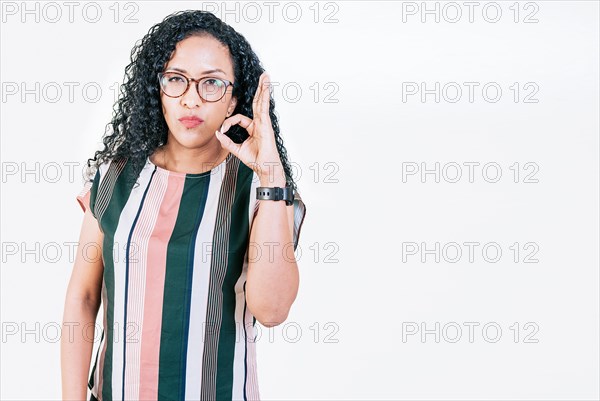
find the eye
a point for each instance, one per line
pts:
(214, 82)
(175, 78)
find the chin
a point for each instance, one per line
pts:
(191, 138)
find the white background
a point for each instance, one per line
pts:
(360, 290)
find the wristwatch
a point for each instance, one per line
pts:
(276, 193)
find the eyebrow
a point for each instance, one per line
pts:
(205, 72)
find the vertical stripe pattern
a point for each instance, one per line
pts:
(175, 321)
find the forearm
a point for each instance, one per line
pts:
(76, 347)
(272, 281)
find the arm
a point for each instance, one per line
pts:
(272, 281)
(82, 302)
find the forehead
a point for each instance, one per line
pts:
(198, 54)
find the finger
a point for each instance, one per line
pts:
(240, 119)
(227, 143)
(261, 116)
(257, 96)
(265, 99)
(257, 91)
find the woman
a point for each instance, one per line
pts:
(175, 242)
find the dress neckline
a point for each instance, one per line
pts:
(214, 170)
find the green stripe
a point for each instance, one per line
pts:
(177, 289)
(238, 242)
(109, 222)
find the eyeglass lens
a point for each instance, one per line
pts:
(175, 85)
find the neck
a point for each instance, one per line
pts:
(174, 157)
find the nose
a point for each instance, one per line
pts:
(191, 98)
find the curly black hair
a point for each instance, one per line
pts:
(138, 126)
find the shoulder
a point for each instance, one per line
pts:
(107, 174)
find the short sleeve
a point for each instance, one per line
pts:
(87, 196)
(299, 213)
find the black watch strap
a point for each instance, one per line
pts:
(276, 193)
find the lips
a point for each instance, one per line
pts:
(191, 121)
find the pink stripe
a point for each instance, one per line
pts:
(155, 281)
(137, 281)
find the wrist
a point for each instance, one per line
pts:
(266, 182)
(274, 176)
(276, 194)
(270, 171)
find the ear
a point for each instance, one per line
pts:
(232, 104)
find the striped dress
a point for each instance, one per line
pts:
(176, 324)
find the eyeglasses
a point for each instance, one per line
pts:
(210, 89)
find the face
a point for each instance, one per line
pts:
(198, 57)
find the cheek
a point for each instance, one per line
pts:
(224, 104)
(167, 106)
